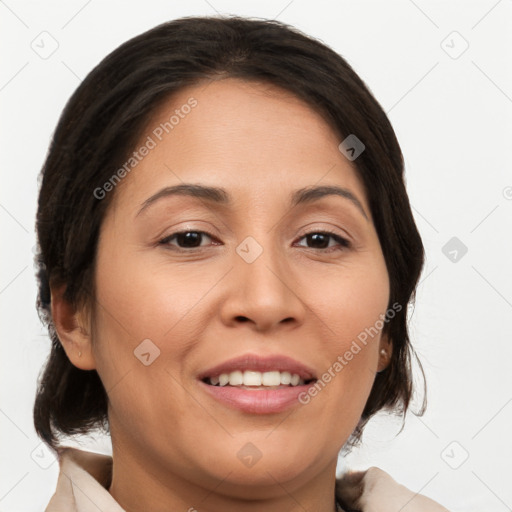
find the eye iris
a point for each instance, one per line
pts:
(319, 237)
(189, 238)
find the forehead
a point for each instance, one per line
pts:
(255, 139)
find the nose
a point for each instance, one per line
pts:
(262, 293)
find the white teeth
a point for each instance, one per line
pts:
(250, 379)
(253, 378)
(286, 378)
(270, 379)
(236, 378)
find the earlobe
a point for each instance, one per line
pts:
(73, 334)
(385, 352)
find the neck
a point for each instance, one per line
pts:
(140, 483)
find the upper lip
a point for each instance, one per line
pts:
(259, 363)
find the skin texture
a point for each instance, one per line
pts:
(174, 446)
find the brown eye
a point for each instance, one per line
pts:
(185, 239)
(321, 240)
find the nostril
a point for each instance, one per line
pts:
(242, 318)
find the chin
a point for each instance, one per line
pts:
(263, 480)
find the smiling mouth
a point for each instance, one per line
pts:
(255, 392)
(221, 382)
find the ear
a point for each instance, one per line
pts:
(385, 352)
(72, 330)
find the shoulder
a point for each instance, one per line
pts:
(375, 490)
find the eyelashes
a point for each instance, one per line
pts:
(180, 236)
(343, 243)
(190, 243)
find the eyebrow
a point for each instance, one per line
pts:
(221, 196)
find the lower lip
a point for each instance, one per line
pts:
(260, 401)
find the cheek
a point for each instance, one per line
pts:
(147, 301)
(142, 335)
(137, 303)
(348, 299)
(350, 304)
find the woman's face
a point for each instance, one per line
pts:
(246, 280)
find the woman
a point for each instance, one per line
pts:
(227, 252)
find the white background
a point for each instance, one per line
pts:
(452, 117)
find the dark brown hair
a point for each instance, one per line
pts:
(103, 121)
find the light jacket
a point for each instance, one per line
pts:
(85, 477)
